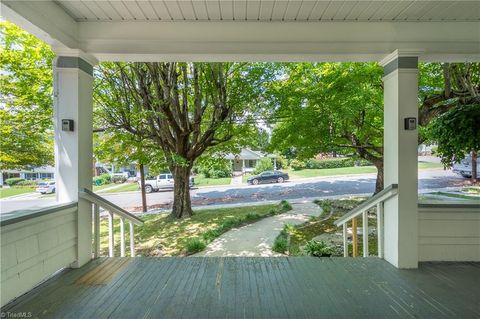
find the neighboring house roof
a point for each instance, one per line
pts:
(248, 154)
(43, 169)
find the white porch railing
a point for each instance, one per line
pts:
(100, 202)
(362, 209)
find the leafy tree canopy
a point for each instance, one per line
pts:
(324, 107)
(26, 105)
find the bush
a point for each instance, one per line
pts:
(215, 168)
(13, 181)
(297, 165)
(194, 245)
(264, 164)
(281, 162)
(285, 205)
(102, 179)
(119, 179)
(31, 184)
(318, 249)
(336, 163)
(281, 244)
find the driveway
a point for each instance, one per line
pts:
(430, 179)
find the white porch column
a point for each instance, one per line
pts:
(73, 84)
(400, 158)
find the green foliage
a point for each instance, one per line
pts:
(119, 179)
(335, 163)
(194, 245)
(102, 179)
(328, 107)
(264, 164)
(281, 162)
(30, 184)
(14, 181)
(456, 132)
(214, 167)
(280, 245)
(26, 107)
(297, 165)
(285, 205)
(318, 249)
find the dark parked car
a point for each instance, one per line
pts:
(268, 177)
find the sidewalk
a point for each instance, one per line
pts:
(256, 240)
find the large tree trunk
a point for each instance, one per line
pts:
(182, 205)
(474, 166)
(142, 186)
(379, 182)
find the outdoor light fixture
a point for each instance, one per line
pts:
(67, 125)
(410, 123)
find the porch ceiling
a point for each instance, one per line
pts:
(271, 10)
(253, 30)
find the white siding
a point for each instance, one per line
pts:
(33, 249)
(449, 233)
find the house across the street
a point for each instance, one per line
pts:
(36, 173)
(247, 159)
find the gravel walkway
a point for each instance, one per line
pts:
(257, 239)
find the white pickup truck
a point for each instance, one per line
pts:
(162, 181)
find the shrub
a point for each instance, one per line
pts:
(281, 162)
(297, 165)
(102, 179)
(285, 206)
(335, 163)
(31, 184)
(215, 168)
(318, 249)
(194, 245)
(13, 181)
(280, 245)
(119, 179)
(264, 164)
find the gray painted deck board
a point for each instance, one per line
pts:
(250, 287)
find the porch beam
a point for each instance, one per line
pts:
(400, 158)
(44, 19)
(276, 41)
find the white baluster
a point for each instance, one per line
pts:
(122, 237)
(110, 234)
(132, 241)
(365, 234)
(96, 226)
(380, 229)
(345, 241)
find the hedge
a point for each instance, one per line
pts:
(329, 163)
(13, 181)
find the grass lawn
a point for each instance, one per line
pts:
(299, 235)
(126, 187)
(426, 165)
(347, 170)
(162, 235)
(304, 173)
(98, 188)
(201, 180)
(7, 192)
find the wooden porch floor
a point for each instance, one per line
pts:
(242, 287)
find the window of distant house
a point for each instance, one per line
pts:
(251, 163)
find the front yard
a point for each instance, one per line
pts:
(293, 239)
(162, 235)
(13, 191)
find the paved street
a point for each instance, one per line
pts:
(431, 179)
